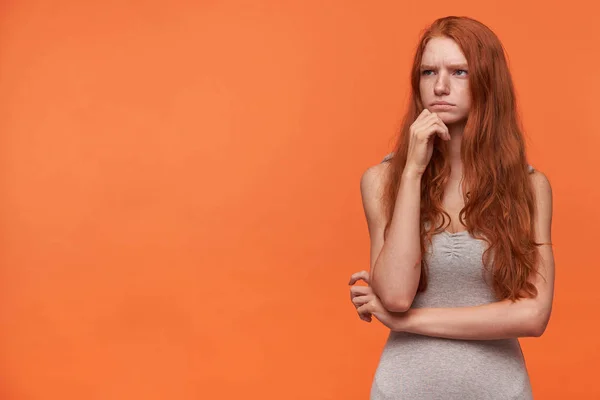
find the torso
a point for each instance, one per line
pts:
(453, 203)
(422, 367)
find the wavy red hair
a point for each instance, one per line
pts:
(499, 198)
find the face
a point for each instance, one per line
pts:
(444, 83)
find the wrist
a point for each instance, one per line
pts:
(412, 173)
(404, 322)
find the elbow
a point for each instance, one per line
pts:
(396, 303)
(539, 322)
(537, 330)
(395, 298)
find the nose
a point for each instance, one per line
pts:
(442, 86)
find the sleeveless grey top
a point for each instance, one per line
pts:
(415, 367)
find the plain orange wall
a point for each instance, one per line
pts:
(180, 190)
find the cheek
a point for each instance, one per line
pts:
(465, 97)
(466, 93)
(427, 92)
(422, 90)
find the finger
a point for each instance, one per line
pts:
(423, 114)
(434, 127)
(361, 275)
(430, 118)
(443, 131)
(365, 309)
(443, 125)
(422, 120)
(365, 316)
(360, 300)
(427, 120)
(360, 291)
(364, 312)
(425, 133)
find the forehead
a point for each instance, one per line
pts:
(442, 50)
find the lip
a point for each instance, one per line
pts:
(441, 103)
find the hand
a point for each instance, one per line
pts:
(421, 137)
(371, 305)
(359, 291)
(367, 304)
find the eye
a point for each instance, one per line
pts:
(458, 72)
(426, 72)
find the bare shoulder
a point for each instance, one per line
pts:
(373, 180)
(372, 189)
(543, 206)
(541, 188)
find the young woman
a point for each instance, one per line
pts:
(459, 223)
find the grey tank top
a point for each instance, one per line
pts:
(417, 367)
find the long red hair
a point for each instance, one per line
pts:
(499, 198)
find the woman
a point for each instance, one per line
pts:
(461, 263)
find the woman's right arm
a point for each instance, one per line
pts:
(396, 262)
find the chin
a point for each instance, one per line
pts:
(448, 118)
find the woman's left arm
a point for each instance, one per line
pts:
(503, 319)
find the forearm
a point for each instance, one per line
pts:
(499, 320)
(395, 275)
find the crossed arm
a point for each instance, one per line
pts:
(498, 320)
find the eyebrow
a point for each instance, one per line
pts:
(451, 66)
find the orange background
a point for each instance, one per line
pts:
(180, 190)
